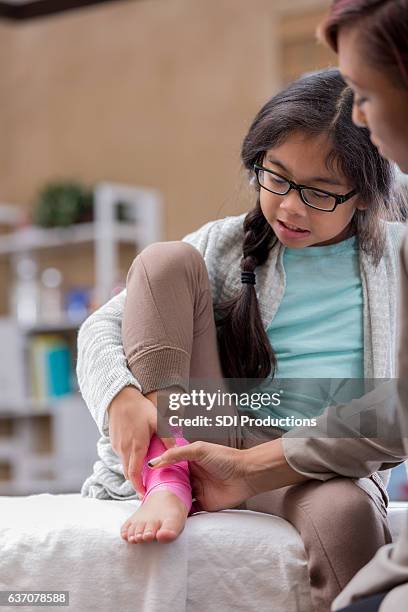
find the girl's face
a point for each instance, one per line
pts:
(379, 104)
(302, 158)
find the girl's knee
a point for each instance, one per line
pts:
(172, 248)
(166, 258)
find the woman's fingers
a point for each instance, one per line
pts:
(168, 442)
(189, 452)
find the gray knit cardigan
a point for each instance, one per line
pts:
(102, 370)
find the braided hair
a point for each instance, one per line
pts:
(247, 362)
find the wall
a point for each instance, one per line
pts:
(148, 92)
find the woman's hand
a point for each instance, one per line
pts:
(217, 473)
(132, 423)
(224, 477)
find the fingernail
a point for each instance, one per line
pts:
(154, 461)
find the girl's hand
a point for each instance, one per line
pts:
(132, 423)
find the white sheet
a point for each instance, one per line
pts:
(225, 561)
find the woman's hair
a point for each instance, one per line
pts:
(316, 104)
(383, 29)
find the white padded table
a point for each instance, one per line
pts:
(231, 560)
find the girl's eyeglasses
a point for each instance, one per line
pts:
(311, 196)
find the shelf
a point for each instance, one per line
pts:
(63, 325)
(34, 487)
(34, 407)
(51, 445)
(35, 238)
(9, 449)
(31, 408)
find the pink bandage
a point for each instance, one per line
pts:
(174, 478)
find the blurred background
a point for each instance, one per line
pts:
(121, 123)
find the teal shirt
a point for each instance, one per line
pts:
(317, 331)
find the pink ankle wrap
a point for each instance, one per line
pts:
(174, 478)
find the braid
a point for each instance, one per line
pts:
(245, 351)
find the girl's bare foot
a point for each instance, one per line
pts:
(161, 517)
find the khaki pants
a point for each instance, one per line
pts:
(169, 337)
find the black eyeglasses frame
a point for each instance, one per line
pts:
(339, 199)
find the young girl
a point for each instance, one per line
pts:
(325, 266)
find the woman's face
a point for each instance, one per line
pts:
(303, 159)
(378, 104)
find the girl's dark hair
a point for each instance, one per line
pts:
(316, 104)
(383, 28)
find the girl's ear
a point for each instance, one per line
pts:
(360, 205)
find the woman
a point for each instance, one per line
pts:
(371, 39)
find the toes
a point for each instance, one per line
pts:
(150, 530)
(135, 531)
(140, 531)
(169, 530)
(124, 530)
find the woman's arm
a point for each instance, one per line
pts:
(353, 440)
(223, 476)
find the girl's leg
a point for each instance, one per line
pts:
(342, 527)
(169, 338)
(168, 324)
(166, 503)
(168, 329)
(174, 478)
